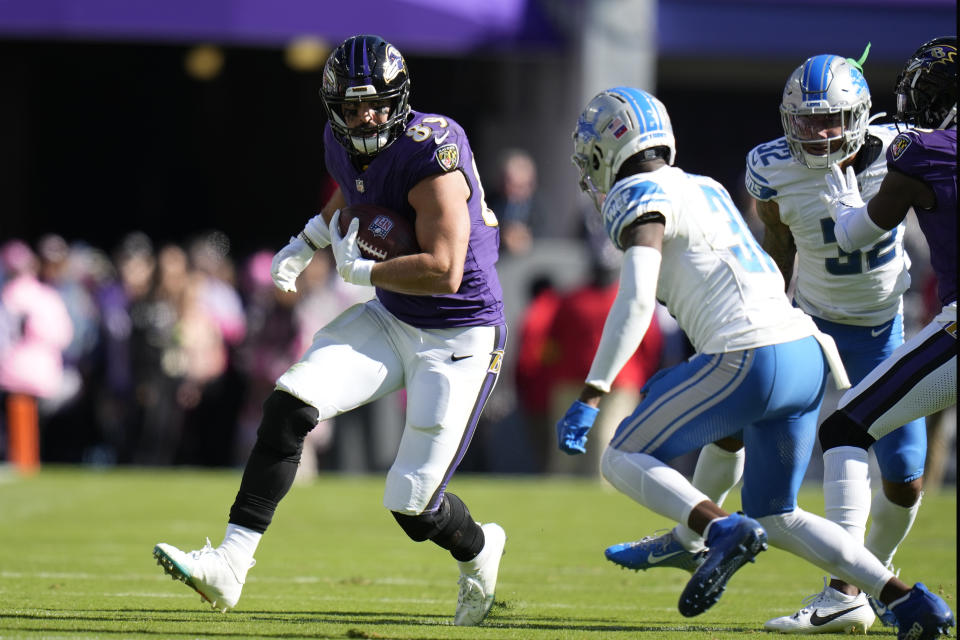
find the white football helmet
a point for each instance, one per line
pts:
(824, 92)
(616, 124)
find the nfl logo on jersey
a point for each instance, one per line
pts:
(380, 226)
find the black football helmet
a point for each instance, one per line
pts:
(366, 68)
(927, 86)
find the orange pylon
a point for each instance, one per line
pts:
(23, 432)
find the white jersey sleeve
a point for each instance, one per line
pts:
(863, 287)
(723, 289)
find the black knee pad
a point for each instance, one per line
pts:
(419, 527)
(285, 423)
(840, 430)
(272, 465)
(450, 527)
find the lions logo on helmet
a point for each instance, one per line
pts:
(825, 92)
(615, 125)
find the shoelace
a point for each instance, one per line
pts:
(664, 543)
(208, 548)
(811, 602)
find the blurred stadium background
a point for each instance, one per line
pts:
(175, 117)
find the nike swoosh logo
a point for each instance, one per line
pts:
(439, 139)
(877, 332)
(817, 621)
(457, 358)
(653, 559)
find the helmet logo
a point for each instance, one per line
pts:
(617, 127)
(448, 156)
(858, 80)
(329, 80)
(393, 65)
(943, 55)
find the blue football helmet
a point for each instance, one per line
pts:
(368, 69)
(826, 91)
(927, 86)
(616, 124)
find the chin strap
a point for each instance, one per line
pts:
(950, 120)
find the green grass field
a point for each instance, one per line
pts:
(75, 562)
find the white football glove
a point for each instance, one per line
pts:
(351, 267)
(289, 262)
(842, 192)
(853, 227)
(316, 233)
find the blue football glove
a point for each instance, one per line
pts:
(573, 428)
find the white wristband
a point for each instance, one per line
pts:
(361, 272)
(854, 229)
(316, 233)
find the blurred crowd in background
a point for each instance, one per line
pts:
(146, 354)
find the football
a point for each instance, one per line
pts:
(383, 233)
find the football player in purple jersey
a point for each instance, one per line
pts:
(920, 377)
(436, 329)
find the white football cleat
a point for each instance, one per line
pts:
(478, 578)
(207, 571)
(829, 611)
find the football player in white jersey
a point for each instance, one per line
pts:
(759, 373)
(854, 297)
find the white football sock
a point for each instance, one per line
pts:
(891, 524)
(239, 544)
(846, 489)
(652, 483)
(717, 472)
(822, 543)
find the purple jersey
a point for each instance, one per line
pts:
(931, 156)
(432, 144)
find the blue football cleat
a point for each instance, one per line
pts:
(884, 614)
(882, 611)
(654, 551)
(731, 543)
(922, 615)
